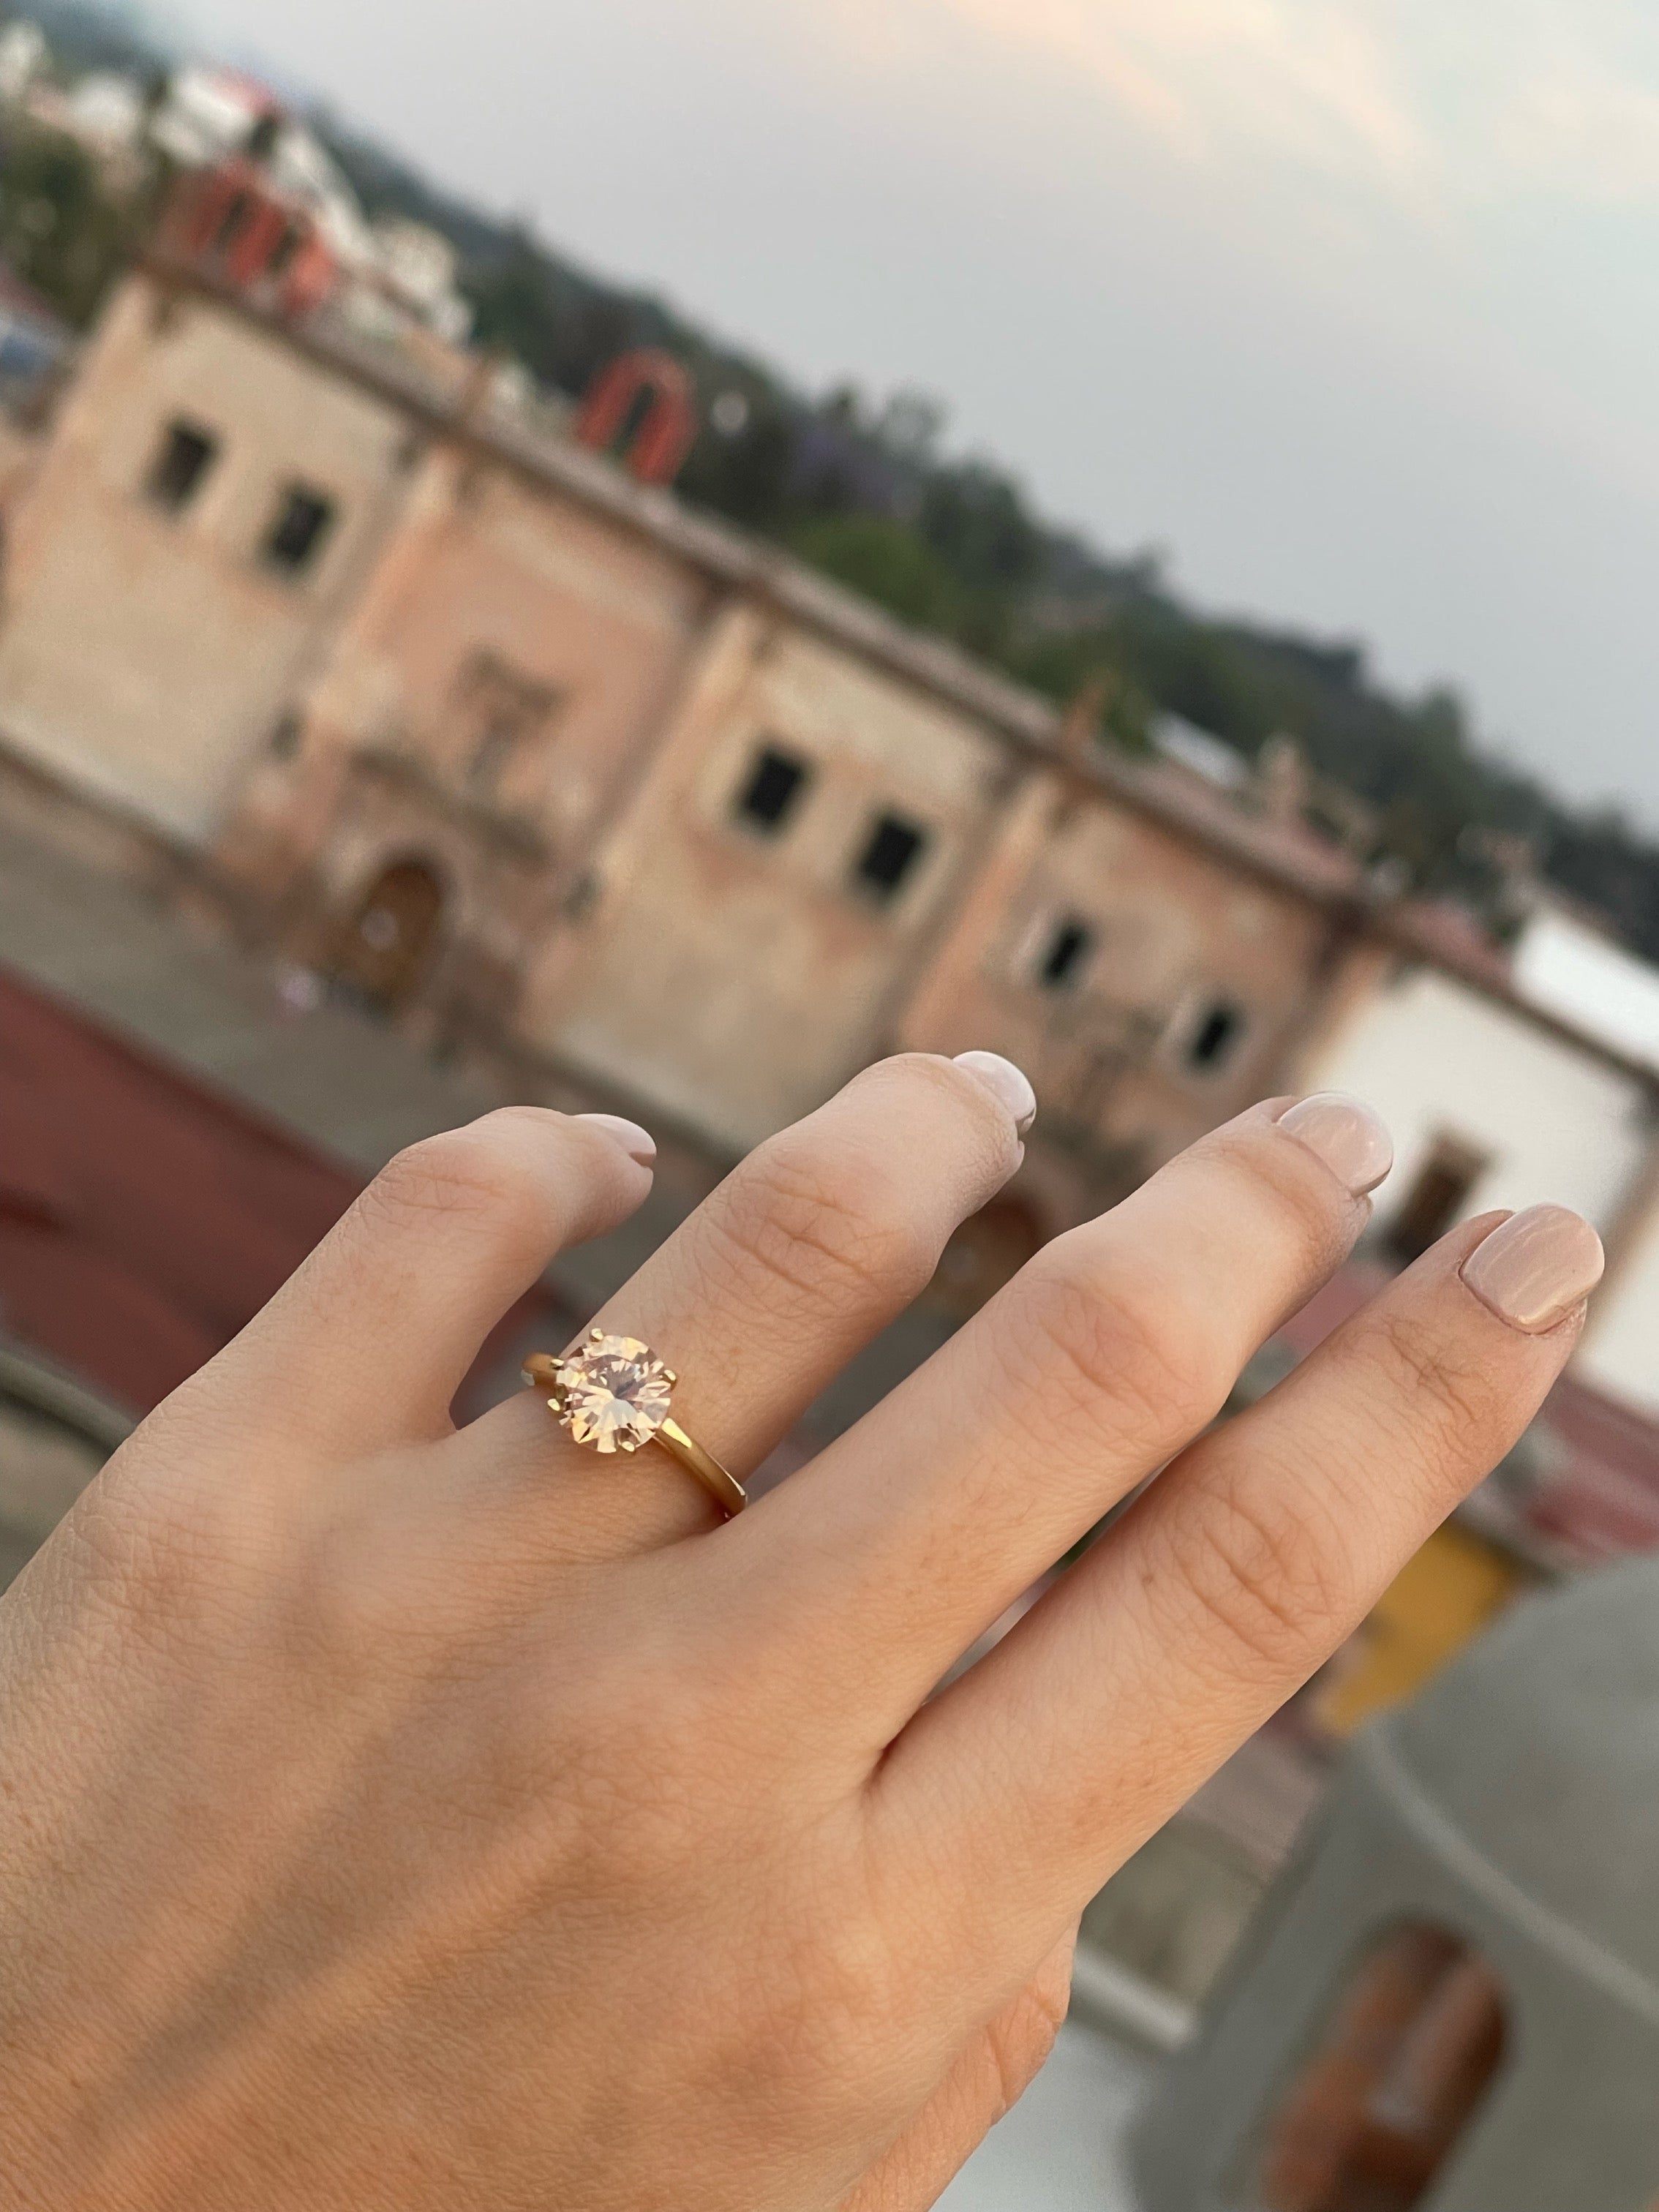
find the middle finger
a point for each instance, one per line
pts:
(1106, 1354)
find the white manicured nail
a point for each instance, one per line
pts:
(1346, 1135)
(1008, 1085)
(1536, 1267)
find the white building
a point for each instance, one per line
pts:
(22, 57)
(1517, 1086)
(397, 268)
(1564, 966)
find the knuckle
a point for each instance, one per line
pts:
(809, 1221)
(1017, 2043)
(1303, 1195)
(1452, 1403)
(654, 1755)
(459, 1173)
(837, 1980)
(1269, 1580)
(849, 1963)
(358, 1604)
(1138, 1351)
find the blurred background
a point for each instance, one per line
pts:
(643, 558)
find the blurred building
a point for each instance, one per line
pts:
(523, 752)
(211, 120)
(1452, 2001)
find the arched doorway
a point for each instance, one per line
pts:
(384, 951)
(1407, 2054)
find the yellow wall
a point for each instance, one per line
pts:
(1456, 1584)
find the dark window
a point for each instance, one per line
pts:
(238, 209)
(497, 742)
(501, 710)
(185, 454)
(1435, 1199)
(286, 248)
(1067, 951)
(776, 783)
(1216, 1037)
(894, 847)
(295, 536)
(1405, 2063)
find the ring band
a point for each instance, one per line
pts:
(613, 1394)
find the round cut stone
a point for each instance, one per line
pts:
(615, 1394)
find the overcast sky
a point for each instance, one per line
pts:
(1351, 305)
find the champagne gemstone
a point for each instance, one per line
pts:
(615, 1394)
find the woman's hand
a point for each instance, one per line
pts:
(392, 1817)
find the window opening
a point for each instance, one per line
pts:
(286, 250)
(296, 534)
(491, 755)
(1066, 954)
(1409, 2051)
(238, 209)
(1436, 1198)
(893, 848)
(1215, 1039)
(185, 454)
(500, 711)
(776, 784)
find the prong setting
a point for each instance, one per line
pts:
(611, 1393)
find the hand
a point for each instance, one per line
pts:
(391, 1817)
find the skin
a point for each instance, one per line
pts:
(395, 1817)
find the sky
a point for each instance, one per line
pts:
(1351, 307)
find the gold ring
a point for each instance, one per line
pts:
(613, 1394)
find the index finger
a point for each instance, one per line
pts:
(367, 1343)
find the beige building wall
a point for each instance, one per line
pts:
(487, 708)
(144, 654)
(738, 972)
(488, 568)
(1150, 988)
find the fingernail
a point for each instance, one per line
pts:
(639, 1144)
(1535, 1267)
(1344, 1134)
(1008, 1085)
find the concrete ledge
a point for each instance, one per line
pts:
(1111, 1997)
(31, 1380)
